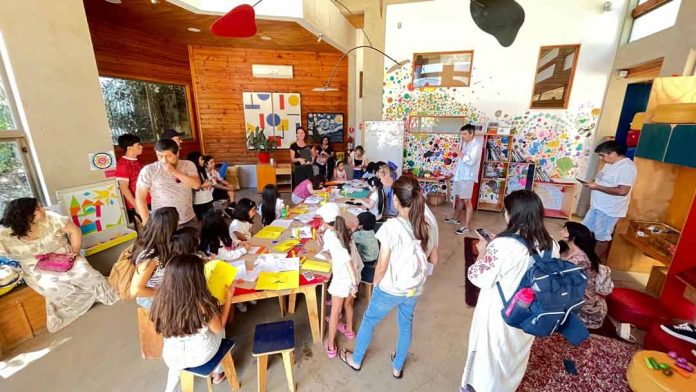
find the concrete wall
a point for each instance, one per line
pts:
(52, 61)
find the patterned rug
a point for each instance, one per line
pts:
(601, 365)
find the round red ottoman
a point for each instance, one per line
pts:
(632, 306)
(657, 339)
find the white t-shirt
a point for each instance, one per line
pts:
(374, 198)
(167, 191)
(612, 175)
(243, 228)
(203, 196)
(468, 163)
(339, 257)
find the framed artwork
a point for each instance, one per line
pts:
(325, 124)
(442, 69)
(278, 114)
(554, 76)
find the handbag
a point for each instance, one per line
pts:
(56, 262)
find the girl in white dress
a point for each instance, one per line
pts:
(497, 353)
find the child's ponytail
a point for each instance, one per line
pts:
(343, 232)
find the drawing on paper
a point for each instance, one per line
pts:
(94, 208)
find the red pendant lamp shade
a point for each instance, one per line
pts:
(240, 22)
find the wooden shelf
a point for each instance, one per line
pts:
(644, 244)
(556, 214)
(490, 206)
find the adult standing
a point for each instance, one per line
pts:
(386, 176)
(396, 237)
(174, 135)
(610, 193)
(498, 353)
(302, 156)
(325, 158)
(465, 176)
(170, 182)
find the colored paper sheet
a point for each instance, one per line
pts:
(299, 210)
(286, 245)
(278, 280)
(269, 233)
(315, 265)
(219, 274)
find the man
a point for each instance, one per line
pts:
(465, 176)
(127, 170)
(169, 181)
(610, 193)
(386, 175)
(174, 135)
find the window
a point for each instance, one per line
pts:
(554, 76)
(446, 69)
(652, 16)
(144, 108)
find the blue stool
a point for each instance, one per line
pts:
(274, 338)
(223, 355)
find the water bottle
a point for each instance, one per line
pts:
(284, 212)
(523, 300)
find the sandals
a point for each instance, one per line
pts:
(330, 353)
(218, 380)
(391, 362)
(342, 328)
(343, 355)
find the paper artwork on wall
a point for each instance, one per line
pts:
(493, 170)
(94, 208)
(551, 195)
(102, 160)
(520, 176)
(325, 124)
(430, 153)
(278, 114)
(490, 191)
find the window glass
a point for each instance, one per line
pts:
(6, 121)
(656, 20)
(14, 181)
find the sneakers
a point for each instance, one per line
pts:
(685, 332)
(452, 221)
(462, 231)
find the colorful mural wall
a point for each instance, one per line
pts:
(430, 153)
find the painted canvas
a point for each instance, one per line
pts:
(430, 153)
(551, 195)
(325, 124)
(520, 176)
(493, 170)
(95, 208)
(278, 114)
(490, 191)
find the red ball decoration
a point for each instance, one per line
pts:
(240, 22)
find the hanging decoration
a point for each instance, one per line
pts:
(499, 18)
(240, 22)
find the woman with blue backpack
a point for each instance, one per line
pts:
(498, 353)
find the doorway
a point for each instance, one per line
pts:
(635, 101)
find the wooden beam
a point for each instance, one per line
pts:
(650, 69)
(648, 6)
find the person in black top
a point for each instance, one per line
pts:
(302, 157)
(325, 159)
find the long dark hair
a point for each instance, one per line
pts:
(241, 210)
(526, 213)
(582, 238)
(375, 182)
(269, 196)
(342, 231)
(155, 239)
(19, 215)
(183, 304)
(213, 232)
(195, 158)
(184, 241)
(407, 190)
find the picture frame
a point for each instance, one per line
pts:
(331, 124)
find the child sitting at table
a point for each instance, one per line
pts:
(358, 161)
(375, 202)
(216, 242)
(339, 173)
(337, 242)
(242, 220)
(371, 171)
(305, 189)
(189, 318)
(367, 244)
(271, 204)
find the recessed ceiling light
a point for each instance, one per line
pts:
(194, 29)
(266, 38)
(114, 1)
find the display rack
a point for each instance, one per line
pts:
(495, 169)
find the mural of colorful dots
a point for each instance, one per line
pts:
(430, 153)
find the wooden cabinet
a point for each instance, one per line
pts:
(558, 198)
(280, 175)
(22, 316)
(669, 144)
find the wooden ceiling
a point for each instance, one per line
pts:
(170, 21)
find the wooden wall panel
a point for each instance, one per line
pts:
(221, 75)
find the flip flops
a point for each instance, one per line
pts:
(343, 356)
(391, 362)
(342, 328)
(330, 353)
(219, 380)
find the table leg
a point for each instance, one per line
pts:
(322, 306)
(281, 302)
(287, 362)
(262, 365)
(311, 299)
(292, 300)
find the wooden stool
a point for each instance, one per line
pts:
(150, 342)
(643, 379)
(274, 338)
(223, 355)
(368, 290)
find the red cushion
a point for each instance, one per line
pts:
(240, 22)
(632, 306)
(632, 138)
(659, 340)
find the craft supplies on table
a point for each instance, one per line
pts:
(269, 233)
(278, 280)
(286, 245)
(284, 223)
(219, 275)
(316, 265)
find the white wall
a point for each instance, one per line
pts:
(55, 74)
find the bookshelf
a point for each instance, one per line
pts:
(494, 175)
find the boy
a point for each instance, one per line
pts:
(367, 244)
(465, 175)
(127, 170)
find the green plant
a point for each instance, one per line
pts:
(260, 142)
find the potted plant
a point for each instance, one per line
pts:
(262, 144)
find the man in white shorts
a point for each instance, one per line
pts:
(465, 176)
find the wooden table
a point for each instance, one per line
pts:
(641, 378)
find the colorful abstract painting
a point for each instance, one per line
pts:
(494, 170)
(430, 153)
(94, 208)
(278, 114)
(490, 191)
(325, 124)
(520, 176)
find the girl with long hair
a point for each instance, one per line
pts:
(203, 195)
(222, 190)
(375, 201)
(189, 318)
(396, 237)
(271, 204)
(216, 241)
(305, 189)
(498, 353)
(242, 220)
(324, 158)
(150, 254)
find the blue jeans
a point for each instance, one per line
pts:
(601, 224)
(379, 307)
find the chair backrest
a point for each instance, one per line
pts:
(223, 169)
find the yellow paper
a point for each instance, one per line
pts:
(314, 265)
(219, 274)
(286, 245)
(270, 233)
(299, 210)
(278, 280)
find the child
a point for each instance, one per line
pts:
(305, 189)
(189, 318)
(222, 190)
(242, 220)
(271, 204)
(346, 269)
(367, 245)
(358, 161)
(184, 242)
(371, 171)
(127, 169)
(203, 195)
(375, 202)
(339, 173)
(216, 242)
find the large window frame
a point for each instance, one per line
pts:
(454, 73)
(541, 67)
(642, 10)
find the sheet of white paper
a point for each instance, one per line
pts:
(320, 256)
(313, 200)
(305, 218)
(356, 211)
(431, 268)
(276, 264)
(284, 223)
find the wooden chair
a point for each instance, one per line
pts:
(368, 290)
(150, 342)
(274, 338)
(223, 356)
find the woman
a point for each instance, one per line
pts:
(358, 162)
(151, 254)
(222, 190)
(395, 236)
(581, 252)
(28, 230)
(203, 196)
(498, 353)
(325, 158)
(302, 156)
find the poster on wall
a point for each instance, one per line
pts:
(95, 208)
(278, 114)
(325, 124)
(101, 160)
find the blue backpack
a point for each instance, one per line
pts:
(559, 291)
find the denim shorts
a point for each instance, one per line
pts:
(601, 224)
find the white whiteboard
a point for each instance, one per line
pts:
(384, 141)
